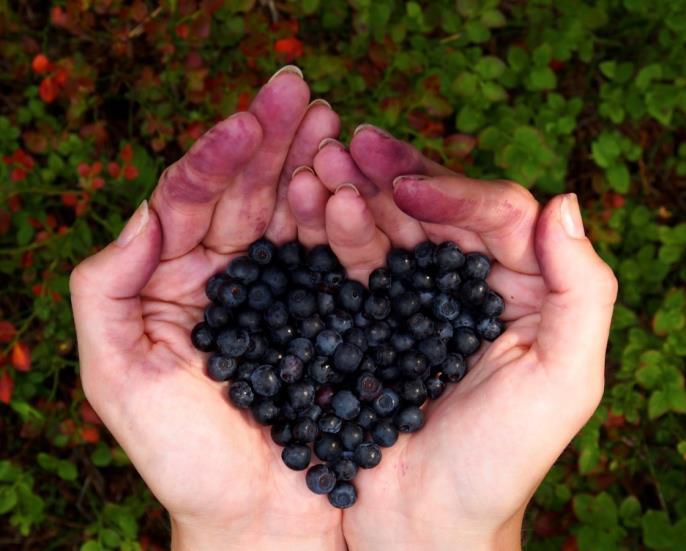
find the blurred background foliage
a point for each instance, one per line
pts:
(96, 96)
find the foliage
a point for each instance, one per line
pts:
(96, 97)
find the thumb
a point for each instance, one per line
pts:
(576, 313)
(105, 291)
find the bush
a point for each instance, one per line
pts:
(97, 97)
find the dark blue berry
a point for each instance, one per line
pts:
(465, 319)
(448, 256)
(351, 296)
(245, 370)
(453, 368)
(327, 341)
(217, 316)
(287, 412)
(434, 387)
(321, 370)
(422, 281)
(332, 280)
(476, 266)
(409, 419)
(357, 337)
(424, 254)
(232, 294)
(290, 368)
(260, 297)
(265, 381)
(361, 320)
(276, 279)
(328, 447)
(412, 363)
(302, 348)
(339, 321)
(345, 405)
(301, 395)
(434, 349)
(213, 285)
(343, 495)
(265, 412)
(282, 434)
(367, 455)
(400, 262)
(326, 303)
(413, 392)
(262, 251)
(244, 269)
(233, 342)
(389, 373)
(296, 456)
(448, 282)
(241, 395)
(320, 479)
(366, 418)
(397, 288)
(386, 403)
(473, 291)
(406, 304)
(465, 341)
(347, 358)
(313, 413)
(351, 435)
(377, 332)
(380, 280)
(384, 433)
(444, 330)
(272, 356)
(303, 277)
(445, 307)
(367, 364)
(368, 387)
(257, 347)
(426, 298)
(421, 326)
(402, 341)
(249, 320)
(330, 424)
(321, 259)
(377, 306)
(302, 303)
(290, 254)
(221, 368)
(202, 337)
(276, 315)
(384, 354)
(311, 327)
(492, 305)
(281, 336)
(305, 431)
(345, 469)
(489, 328)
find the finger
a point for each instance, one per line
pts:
(576, 314)
(523, 294)
(502, 213)
(335, 166)
(246, 208)
(105, 292)
(307, 199)
(359, 244)
(189, 189)
(320, 122)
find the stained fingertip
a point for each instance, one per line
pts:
(307, 199)
(292, 69)
(329, 141)
(319, 101)
(300, 169)
(348, 185)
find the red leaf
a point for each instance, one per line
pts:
(48, 90)
(40, 63)
(113, 169)
(90, 434)
(291, 48)
(21, 357)
(7, 331)
(6, 386)
(88, 413)
(130, 172)
(126, 153)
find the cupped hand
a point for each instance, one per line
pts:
(464, 480)
(217, 472)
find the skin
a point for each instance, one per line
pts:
(488, 441)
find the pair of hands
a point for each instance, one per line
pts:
(465, 479)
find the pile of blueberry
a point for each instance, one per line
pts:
(336, 368)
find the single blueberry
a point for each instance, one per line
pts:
(384, 433)
(424, 254)
(476, 266)
(290, 254)
(367, 455)
(328, 447)
(465, 341)
(241, 394)
(265, 412)
(217, 316)
(386, 403)
(290, 368)
(345, 405)
(343, 495)
(347, 358)
(244, 269)
(320, 479)
(202, 337)
(400, 262)
(296, 456)
(351, 296)
(489, 328)
(380, 280)
(265, 381)
(262, 251)
(409, 419)
(233, 342)
(453, 368)
(448, 256)
(321, 259)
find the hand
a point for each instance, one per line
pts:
(217, 472)
(464, 480)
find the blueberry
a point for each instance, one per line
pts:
(344, 469)
(347, 358)
(422, 281)
(424, 254)
(357, 337)
(413, 392)
(473, 291)
(321, 259)
(249, 320)
(320, 479)
(465, 341)
(302, 348)
(271, 356)
(361, 320)
(489, 328)
(366, 418)
(448, 282)
(380, 280)
(445, 307)
(301, 395)
(377, 306)
(311, 327)
(389, 373)
(402, 341)
(397, 288)
(286, 412)
(276, 315)
(233, 342)
(260, 297)
(434, 387)
(444, 330)
(339, 321)
(296, 456)
(305, 431)
(221, 368)
(217, 316)
(290, 368)
(276, 279)
(343, 495)
(313, 413)
(241, 395)
(406, 304)
(302, 303)
(426, 298)
(326, 303)
(367, 364)
(330, 424)
(492, 305)
(282, 335)
(321, 370)
(245, 370)
(332, 280)
(202, 337)
(400, 262)
(327, 341)
(368, 387)
(386, 403)
(265, 412)
(213, 285)
(409, 419)
(377, 332)
(434, 349)
(384, 433)
(328, 447)
(345, 405)
(290, 254)
(448, 256)
(265, 381)
(465, 319)
(324, 396)
(351, 296)
(282, 434)
(420, 326)
(232, 294)
(262, 251)
(305, 278)
(453, 367)
(256, 347)
(412, 363)
(367, 455)
(476, 266)
(351, 435)
(244, 269)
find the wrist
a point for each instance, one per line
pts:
(254, 534)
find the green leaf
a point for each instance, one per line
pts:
(493, 92)
(618, 177)
(476, 32)
(8, 471)
(465, 84)
(608, 68)
(67, 470)
(110, 537)
(91, 545)
(493, 18)
(542, 78)
(630, 512)
(647, 74)
(657, 531)
(490, 67)
(101, 456)
(48, 462)
(588, 459)
(469, 119)
(668, 321)
(517, 58)
(8, 499)
(623, 317)
(658, 404)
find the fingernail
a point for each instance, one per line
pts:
(319, 101)
(135, 225)
(414, 177)
(287, 69)
(327, 141)
(571, 216)
(366, 126)
(300, 169)
(347, 185)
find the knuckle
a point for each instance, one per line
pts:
(607, 283)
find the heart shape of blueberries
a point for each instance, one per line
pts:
(337, 368)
